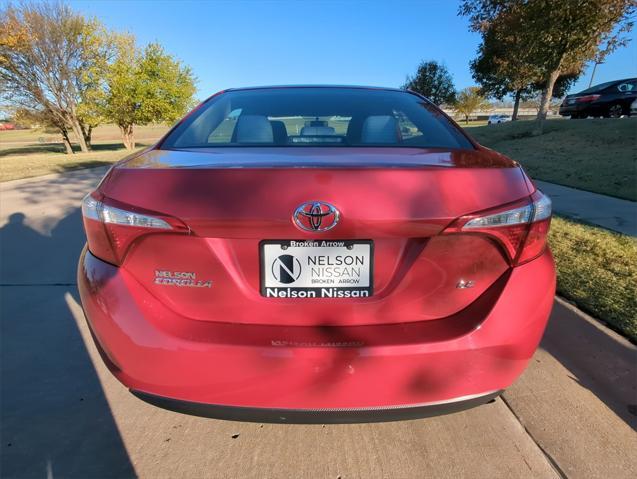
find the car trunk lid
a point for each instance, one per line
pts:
(399, 200)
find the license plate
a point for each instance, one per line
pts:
(317, 269)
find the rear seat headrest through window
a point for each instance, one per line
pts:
(253, 129)
(382, 129)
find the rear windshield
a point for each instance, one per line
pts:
(300, 117)
(596, 88)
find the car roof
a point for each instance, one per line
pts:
(614, 82)
(608, 83)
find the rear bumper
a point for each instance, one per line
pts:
(318, 416)
(581, 108)
(153, 351)
(570, 109)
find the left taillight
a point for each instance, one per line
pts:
(520, 229)
(111, 230)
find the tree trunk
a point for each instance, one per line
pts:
(77, 131)
(516, 105)
(547, 94)
(86, 133)
(128, 137)
(67, 141)
(65, 135)
(466, 119)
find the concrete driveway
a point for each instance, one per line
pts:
(572, 414)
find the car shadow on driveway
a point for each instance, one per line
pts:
(55, 418)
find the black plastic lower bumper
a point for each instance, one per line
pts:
(316, 416)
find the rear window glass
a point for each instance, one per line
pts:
(299, 117)
(597, 88)
(627, 87)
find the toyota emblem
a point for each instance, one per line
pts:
(316, 216)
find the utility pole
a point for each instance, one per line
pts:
(593, 74)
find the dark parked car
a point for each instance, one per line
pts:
(610, 99)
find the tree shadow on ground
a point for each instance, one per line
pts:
(31, 148)
(55, 418)
(64, 167)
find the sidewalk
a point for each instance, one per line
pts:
(605, 211)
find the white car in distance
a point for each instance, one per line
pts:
(494, 119)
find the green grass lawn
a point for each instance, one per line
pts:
(14, 167)
(39, 136)
(596, 269)
(27, 153)
(597, 155)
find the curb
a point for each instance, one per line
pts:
(598, 324)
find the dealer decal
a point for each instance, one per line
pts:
(184, 279)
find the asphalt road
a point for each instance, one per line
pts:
(572, 414)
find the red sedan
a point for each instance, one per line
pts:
(316, 254)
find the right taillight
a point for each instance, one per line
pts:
(587, 98)
(110, 230)
(521, 228)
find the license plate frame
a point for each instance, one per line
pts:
(301, 250)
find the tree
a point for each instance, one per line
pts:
(122, 101)
(497, 69)
(42, 118)
(470, 100)
(553, 36)
(52, 61)
(146, 87)
(434, 81)
(500, 72)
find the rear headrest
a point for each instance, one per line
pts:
(317, 131)
(279, 131)
(253, 129)
(380, 129)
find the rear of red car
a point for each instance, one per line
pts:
(316, 253)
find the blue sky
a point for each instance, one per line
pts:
(243, 43)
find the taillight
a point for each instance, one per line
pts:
(587, 98)
(110, 230)
(520, 229)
